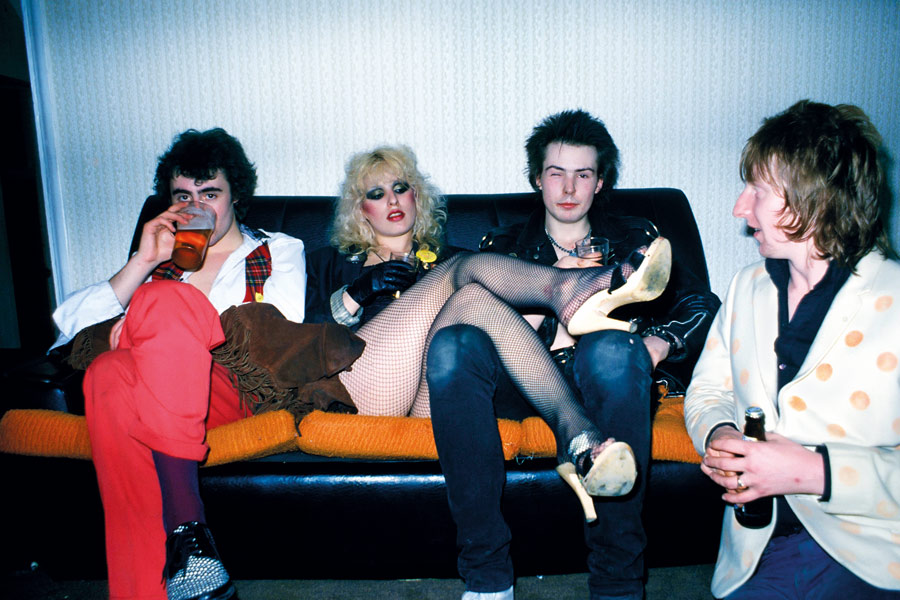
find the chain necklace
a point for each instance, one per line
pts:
(570, 252)
(383, 259)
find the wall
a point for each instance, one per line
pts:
(680, 83)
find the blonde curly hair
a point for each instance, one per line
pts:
(351, 233)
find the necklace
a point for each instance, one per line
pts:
(383, 259)
(570, 252)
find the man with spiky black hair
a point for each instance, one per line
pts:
(572, 163)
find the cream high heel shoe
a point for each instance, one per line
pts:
(612, 473)
(645, 284)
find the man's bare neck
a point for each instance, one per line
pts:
(567, 233)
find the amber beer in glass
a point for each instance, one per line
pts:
(192, 238)
(758, 513)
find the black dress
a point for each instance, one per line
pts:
(327, 270)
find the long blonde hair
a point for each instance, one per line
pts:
(352, 233)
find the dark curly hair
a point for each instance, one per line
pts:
(576, 128)
(198, 155)
(826, 161)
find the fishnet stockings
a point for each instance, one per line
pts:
(480, 290)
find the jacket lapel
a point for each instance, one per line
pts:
(765, 325)
(846, 304)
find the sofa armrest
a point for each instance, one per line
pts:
(31, 379)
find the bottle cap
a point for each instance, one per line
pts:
(754, 412)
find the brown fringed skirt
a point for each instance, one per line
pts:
(278, 364)
(275, 363)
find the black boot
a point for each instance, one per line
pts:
(193, 568)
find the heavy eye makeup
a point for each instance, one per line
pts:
(377, 193)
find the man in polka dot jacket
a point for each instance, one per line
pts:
(812, 336)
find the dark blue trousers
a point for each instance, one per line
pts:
(611, 373)
(795, 567)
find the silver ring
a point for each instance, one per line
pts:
(741, 485)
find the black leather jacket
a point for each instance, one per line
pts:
(327, 270)
(682, 315)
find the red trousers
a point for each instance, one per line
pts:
(159, 390)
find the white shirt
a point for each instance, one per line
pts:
(285, 288)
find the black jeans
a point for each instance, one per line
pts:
(611, 372)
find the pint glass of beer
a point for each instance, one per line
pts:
(192, 238)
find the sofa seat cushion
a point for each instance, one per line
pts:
(670, 438)
(368, 437)
(53, 433)
(37, 432)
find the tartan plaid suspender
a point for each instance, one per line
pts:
(166, 270)
(257, 269)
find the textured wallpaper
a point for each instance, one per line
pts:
(681, 84)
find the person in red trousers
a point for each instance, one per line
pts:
(150, 400)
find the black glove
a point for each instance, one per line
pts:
(383, 278)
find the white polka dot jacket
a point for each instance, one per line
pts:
(845, 396)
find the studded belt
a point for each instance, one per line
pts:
(563, 357)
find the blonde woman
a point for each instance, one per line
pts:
(386, 206)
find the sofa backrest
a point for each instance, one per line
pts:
(470, 216)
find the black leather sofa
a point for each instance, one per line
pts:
(299, 516)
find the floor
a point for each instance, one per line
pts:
(676, 583)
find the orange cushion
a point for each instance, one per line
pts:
(362, 436)
(44, 433)
(254, 437)
(670, 437)
(53, 433)
(537, 439)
